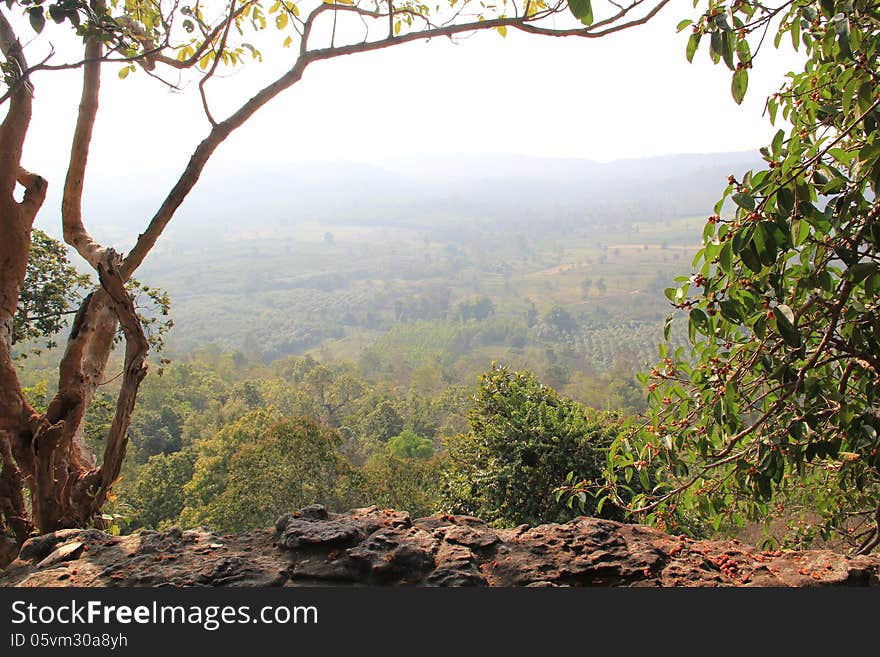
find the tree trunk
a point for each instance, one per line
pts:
(44, 454)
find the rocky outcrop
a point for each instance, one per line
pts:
(384, 547)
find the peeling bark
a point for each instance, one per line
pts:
(45, 454)
(17, 417)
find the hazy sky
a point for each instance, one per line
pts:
(632, 94)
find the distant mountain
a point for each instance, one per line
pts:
(418, 191)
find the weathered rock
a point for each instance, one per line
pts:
(385, 547)
(64, 553)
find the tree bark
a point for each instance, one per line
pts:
(18, 419)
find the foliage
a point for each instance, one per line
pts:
(383, 422)
(158, 496)
(156, 432)
(262, 466)
(775, 404)
(153, 307)
(52, 286)
(409, 445)
(167, 38)
(560, 320)
(478, 308)
(393, 481)
(523, 441)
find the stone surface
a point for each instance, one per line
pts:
(384, 547)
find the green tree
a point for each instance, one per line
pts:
(409, 445)
(157, 498)
(156, 432)
(560, 321)
(523, 441)
(773, 409)
(261, 467)
(478, 308)
(407, 484)
(382, 423)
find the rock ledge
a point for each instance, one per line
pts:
(384, 547)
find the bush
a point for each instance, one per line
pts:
(523, 442)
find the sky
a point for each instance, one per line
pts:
(629, 95)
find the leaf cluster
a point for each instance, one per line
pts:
(776, 398)
(523, 440)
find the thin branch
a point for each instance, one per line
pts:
(25, 76)
(35, 188)
(42, 317)
(873, 539)
(207, 43)
(136, 347)
(592, 32)
(18, 117)
(217, 57)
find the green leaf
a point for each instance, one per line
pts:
(842, 156)
(739, 85)
(861, 270)
(743, 51)
(715, 46)
(731, 311)
(760, 327)
(727, 48)
(643, 479)
(827, 7)
(744, 201)
(785, 323)
(765, 244)
(785, 200)
(725, 258)
(692, 45)
(57, 13)
(776, 144)
(582, 10)
(667, 327)
(750, 257)
(37, 18)
(841, 26)
(699, 320)
(683, 24)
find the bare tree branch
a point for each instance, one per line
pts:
(75, 232)
(91, 489)
(220, 48)
(18, 117)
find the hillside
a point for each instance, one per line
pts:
(332, 255)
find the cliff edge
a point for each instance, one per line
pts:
(384, 547)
